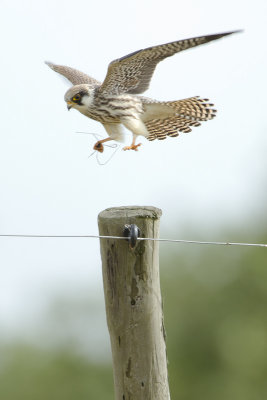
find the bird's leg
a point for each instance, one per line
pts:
(133, 145)
(99, 146)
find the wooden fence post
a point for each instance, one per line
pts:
(133, 304)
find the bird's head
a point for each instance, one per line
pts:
(79, 97)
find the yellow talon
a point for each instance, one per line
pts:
(132, 147)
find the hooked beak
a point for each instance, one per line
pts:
(69, 105)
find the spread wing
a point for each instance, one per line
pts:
(132, 73)
(73, 75)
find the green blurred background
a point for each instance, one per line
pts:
(215, 302)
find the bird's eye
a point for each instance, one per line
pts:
(77, 97)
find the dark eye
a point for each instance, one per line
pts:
(76, 98)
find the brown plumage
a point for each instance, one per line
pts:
(186, 114)
(115, 102)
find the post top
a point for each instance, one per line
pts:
(131, 211)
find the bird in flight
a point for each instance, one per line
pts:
(116, 102)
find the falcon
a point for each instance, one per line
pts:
(116, 103)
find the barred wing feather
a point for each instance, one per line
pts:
(133, 72)
(73, 75)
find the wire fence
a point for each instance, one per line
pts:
(139, 239)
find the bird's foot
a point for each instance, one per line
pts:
(99, 146)
(132, 147)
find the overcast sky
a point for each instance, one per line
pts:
(215, 176)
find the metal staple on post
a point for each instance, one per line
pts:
(131, 232)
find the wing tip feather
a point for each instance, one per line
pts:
(50, 64)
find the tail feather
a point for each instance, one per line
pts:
(164, 119)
